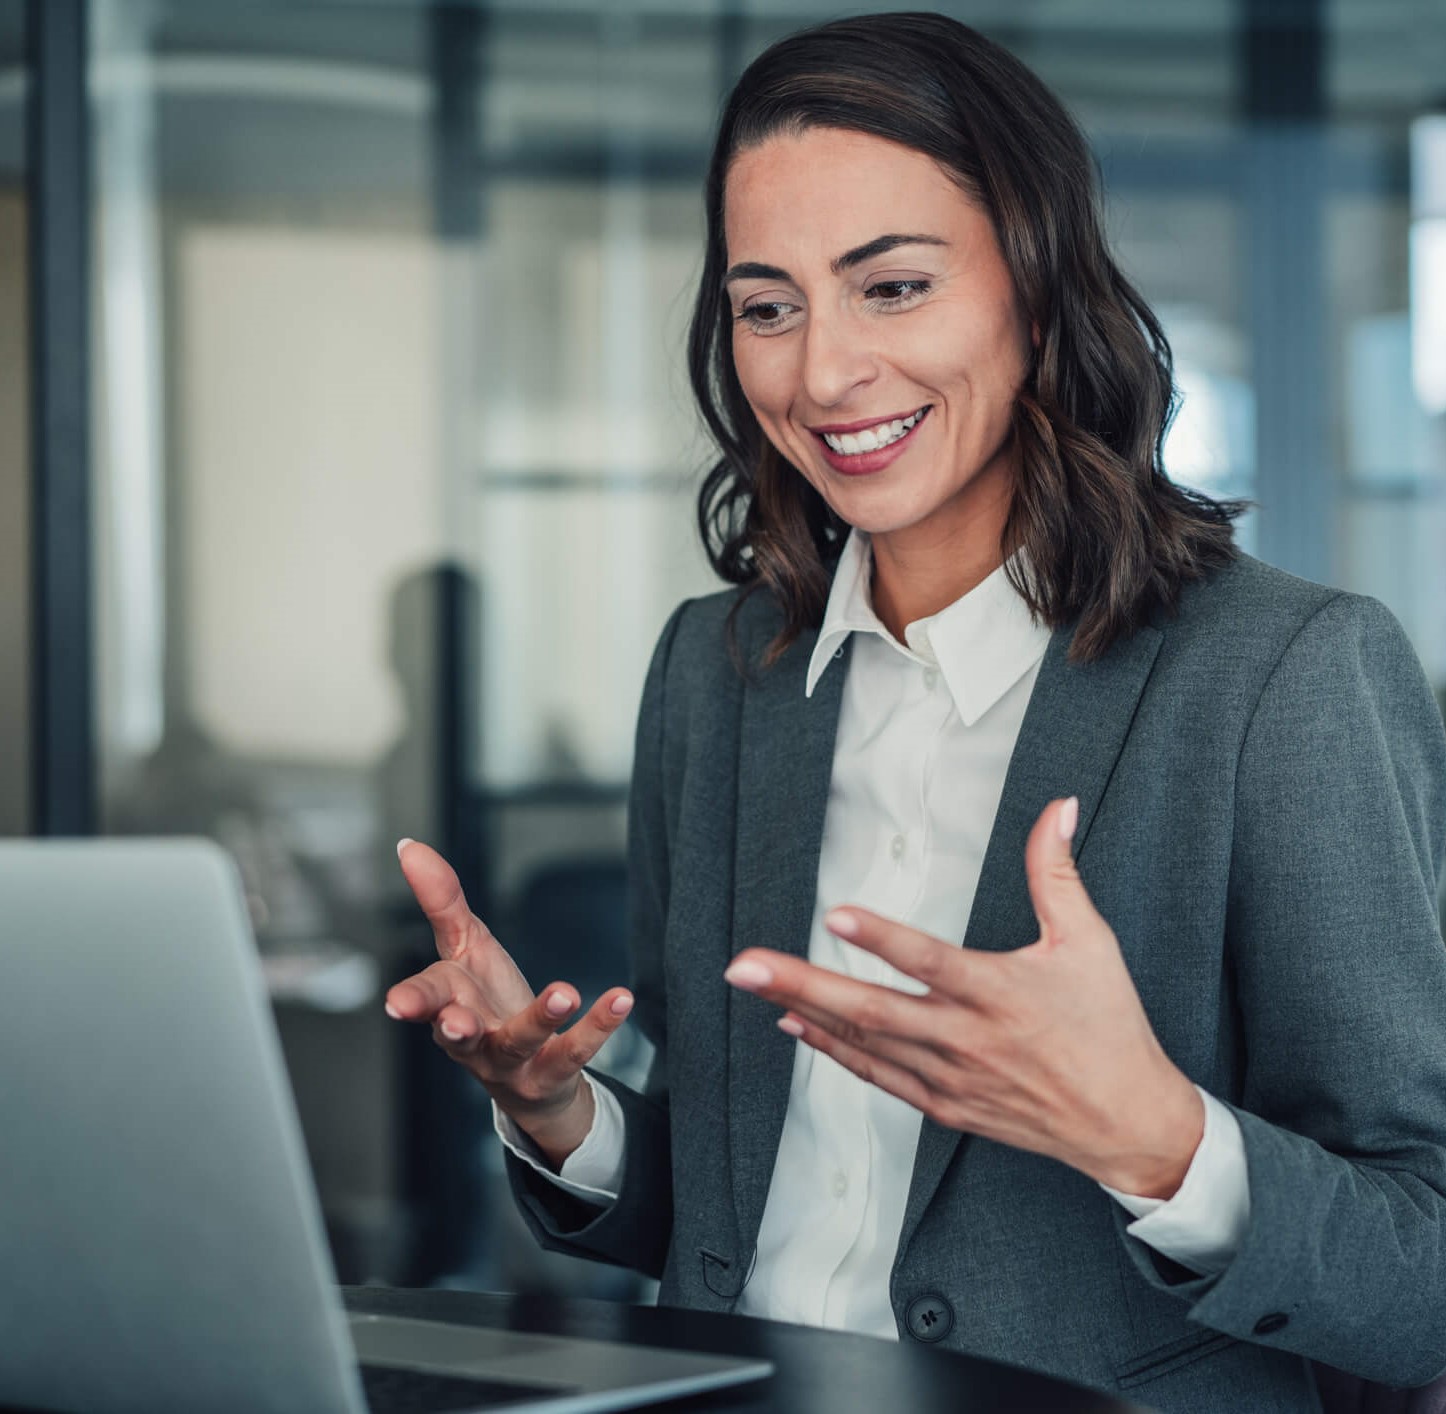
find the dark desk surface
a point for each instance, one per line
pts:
(817, 1371)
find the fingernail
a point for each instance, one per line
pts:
(747, 973)
(790, 1024)
(402, 844)
(841, 923)
(392, 1012)
(451, 1032)
(620, 1006)
(1069, 818)
(559, 1004)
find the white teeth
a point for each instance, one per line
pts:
(850, 444)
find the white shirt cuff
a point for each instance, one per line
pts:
(594, 1170)
(1201, 1227)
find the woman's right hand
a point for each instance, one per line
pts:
(486, 1018)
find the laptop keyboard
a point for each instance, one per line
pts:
(393, 1391)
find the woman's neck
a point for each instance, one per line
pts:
(921, 569)
(906, 588)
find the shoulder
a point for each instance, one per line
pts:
(1250, 646)
(691, 662)
(1249, 612)
(695, 642)
(701, 633)
(693, 694)
(1247, 607)
(1300, 655)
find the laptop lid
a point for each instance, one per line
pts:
(160, 1235)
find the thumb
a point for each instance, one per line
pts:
(1056, 890)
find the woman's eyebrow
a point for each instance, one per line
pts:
(880, 245)
(752, 270)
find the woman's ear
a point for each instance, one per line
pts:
(1034, 335)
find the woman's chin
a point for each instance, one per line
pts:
(875, 514)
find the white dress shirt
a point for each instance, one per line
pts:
(926, 729)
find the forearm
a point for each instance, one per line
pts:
(1151, 1140)
(1202, 1222)
(1335, 955)
(592, 1167)
(553, 1135)
(1351, 1255)
(632, 1230)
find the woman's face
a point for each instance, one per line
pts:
(876, 333)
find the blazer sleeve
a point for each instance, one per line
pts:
(635, 1229)
(1334, 940)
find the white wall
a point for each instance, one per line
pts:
(307, 401)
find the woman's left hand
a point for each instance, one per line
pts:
(1045, 1048)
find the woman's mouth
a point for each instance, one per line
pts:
(871, 447)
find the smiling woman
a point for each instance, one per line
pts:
(1173, 1117)
(1060, 374)
(835, 358)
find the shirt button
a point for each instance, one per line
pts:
(838, 652)
(931, 679)
(840, 1184)
(896, 847)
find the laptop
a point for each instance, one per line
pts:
(160, 1236)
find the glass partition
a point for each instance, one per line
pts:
(1386, 292)
(395, 453)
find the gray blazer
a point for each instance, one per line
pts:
(1262, 784)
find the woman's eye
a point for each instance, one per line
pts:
(766, 316)
(897, 291)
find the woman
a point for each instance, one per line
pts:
(1173, 1118)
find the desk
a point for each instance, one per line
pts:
(817, 1371)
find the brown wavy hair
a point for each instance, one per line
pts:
(1108, 539)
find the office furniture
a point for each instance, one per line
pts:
(818, 1371)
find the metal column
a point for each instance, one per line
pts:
(63, 786)
(1284, 192)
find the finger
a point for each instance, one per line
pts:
(792, 982)
(460, 935)
(518, 1039)
(937, 1065)
(940, 966)
(439, 892)
(423, 995)
(1061, 903)
(458, 1030)
(566, 1054)
(899, 1081)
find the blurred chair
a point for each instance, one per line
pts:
(571, 925)
(568, 923)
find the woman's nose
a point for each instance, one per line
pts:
(836, 359)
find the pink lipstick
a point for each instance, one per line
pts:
(865, 463)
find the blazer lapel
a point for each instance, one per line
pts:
(1073, 731)
(785, 761)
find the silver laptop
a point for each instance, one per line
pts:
(160, 1237)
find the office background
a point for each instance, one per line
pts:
(347, 459)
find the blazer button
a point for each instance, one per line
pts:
(930, 1318)
(1275, 1321)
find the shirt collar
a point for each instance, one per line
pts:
(982, 643)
